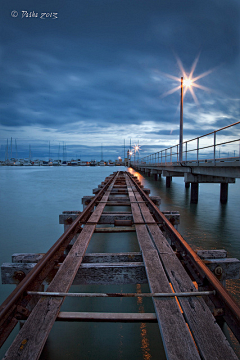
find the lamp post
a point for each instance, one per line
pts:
(181, 124)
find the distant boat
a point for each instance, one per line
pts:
(36, 163)
(56, 162)
(72, 163)
(64, 163)
(111, 163)
(27, 162)
(101, 163)
(17, 163)
(82, 163)
(45, 163)
(93, 163)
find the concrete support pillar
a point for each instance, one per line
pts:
(156, 177)
(149, 173)
(194, 192)
(187, 185)
(168, 181)
(224, 193)
(159, 176)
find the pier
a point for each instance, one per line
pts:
(200, 162)
(186, 288)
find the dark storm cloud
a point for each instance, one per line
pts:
(100, 65)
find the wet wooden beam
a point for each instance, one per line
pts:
(88, 273)
(115, 229)
(88, 258)
(107, 317)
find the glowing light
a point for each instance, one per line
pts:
(188, 80)
(136, 148)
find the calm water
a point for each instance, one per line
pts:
(31, 200)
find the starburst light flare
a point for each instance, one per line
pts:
(188, 80)
(136, 148)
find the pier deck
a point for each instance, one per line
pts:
(187, 325)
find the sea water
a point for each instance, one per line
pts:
(31, 200)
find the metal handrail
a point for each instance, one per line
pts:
(169, 152)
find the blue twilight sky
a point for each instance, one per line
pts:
(94, 73)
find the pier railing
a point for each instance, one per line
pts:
(215, 146)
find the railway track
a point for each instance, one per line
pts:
(165, 261)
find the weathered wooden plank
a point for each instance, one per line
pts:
(177, 340)
(146, 214)
(228, 268)
(26, 257)
(30, 340)
(212, 254)
(209, 338)
(112, 257)
(94, 218)
(115, 229)
(111, 203)
(88, 273)
(107, 317)
(88, 258)
(109, 218)
(137, 216)
(120, 191)
(113, 273)
(176, 337)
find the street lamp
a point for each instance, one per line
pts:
(136, 148)
(188, 83)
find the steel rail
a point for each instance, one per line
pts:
(180, 294)
(8, 306)
(221, 292)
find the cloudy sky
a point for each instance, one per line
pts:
(92, 73)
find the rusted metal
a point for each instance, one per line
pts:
(31, 281)
(181, 294)
(222, 299)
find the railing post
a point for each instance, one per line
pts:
(186, 151)
(171, 155)
(197, 149)
(214, 147)
(161, 157)
(165, 156)
(181, 124)
(177, 153)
